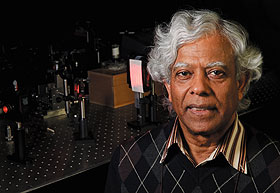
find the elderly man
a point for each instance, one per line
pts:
(206, 64)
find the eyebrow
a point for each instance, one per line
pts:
(180, 65)
(214, 64)
(210, 65)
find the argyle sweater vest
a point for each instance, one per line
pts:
(135, 167)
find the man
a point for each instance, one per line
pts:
(206, 64)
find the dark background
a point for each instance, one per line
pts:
(42, 23)
(37, 25)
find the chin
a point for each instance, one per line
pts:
(202, 128)
(205, 132)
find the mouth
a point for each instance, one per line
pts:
(201, 109)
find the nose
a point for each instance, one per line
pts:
(200, 85)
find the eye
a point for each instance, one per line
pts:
(183, 75)
(216, 73)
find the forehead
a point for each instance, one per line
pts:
(207, 49)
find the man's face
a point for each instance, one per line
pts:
(203, 87)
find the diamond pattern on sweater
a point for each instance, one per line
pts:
(128, 164)
(140, 171)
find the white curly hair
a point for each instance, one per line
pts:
(189, 25)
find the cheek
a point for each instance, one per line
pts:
(178, 95)
(227, 97)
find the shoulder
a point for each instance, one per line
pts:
(263, 158)
(260, 143)
(263, 151)
(148, 144)
(153, 138)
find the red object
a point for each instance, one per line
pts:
(5, 109)
(77, 88)
(136, 79)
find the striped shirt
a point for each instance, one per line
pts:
(232, 146)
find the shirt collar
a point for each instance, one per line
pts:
(233, 146)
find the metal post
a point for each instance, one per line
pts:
(67, 105)
(83, 124)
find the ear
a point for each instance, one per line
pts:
(167, 86)
(241, 84)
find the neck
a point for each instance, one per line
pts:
(201, 147)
